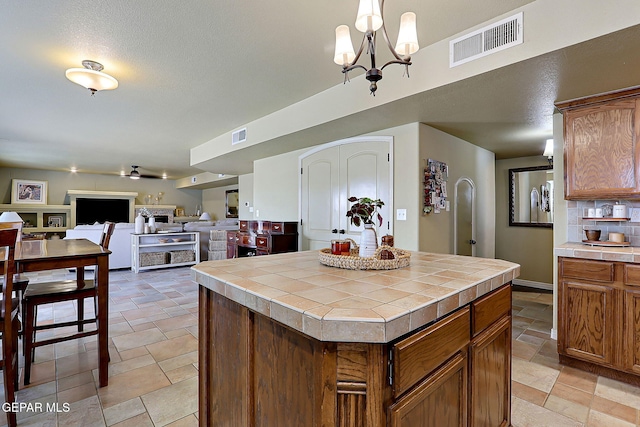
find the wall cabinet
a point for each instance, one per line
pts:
(601, 153)
(161, 250)
(599, 317)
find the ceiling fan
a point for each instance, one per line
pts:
(135, 174)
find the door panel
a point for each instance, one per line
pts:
(364, 172)
(464, 205)
(332, 175)
(320, 211)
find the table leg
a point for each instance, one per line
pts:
(102, 278)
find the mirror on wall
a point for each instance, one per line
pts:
(232, 203)
(531, 196)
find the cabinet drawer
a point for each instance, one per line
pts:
(595, 271)
(490, 308)
(632, 274)
(262, 241)
(277, 227)
(244, 225)
(418, 355)
(231, 237)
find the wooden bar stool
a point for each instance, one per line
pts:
(9, 320)
(51, 292)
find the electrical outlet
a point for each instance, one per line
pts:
(250, 208)
(401, 214)
(257, 213)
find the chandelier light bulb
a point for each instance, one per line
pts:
(369, 17)
(344, 47)
(408, 35)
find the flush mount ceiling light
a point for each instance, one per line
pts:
(91, 77)
(369, 20)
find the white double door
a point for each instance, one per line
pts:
(330, 176)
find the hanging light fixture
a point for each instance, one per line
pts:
(91, 77)
(548, 151)
(369, 20)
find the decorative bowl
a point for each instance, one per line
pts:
(592, 235)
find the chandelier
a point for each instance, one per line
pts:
(369, 20)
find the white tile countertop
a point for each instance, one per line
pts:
(606, 253)
(333, 304)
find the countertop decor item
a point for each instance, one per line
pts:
(362, 211)
(400, 258)
(592, 235)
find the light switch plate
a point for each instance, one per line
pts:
(401, 214)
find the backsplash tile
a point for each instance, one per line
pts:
(576, 212)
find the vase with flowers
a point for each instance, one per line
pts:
(362, 211)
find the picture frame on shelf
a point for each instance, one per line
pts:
(55, 221)
(29, 192)
(179, 212)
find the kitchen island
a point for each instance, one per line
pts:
(286, 341)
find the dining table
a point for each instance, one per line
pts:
(43, 255)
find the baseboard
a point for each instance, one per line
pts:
(554, 334)
(532, 284)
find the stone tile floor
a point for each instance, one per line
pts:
(153, 369)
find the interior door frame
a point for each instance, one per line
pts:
(455, 214)
(355, 139)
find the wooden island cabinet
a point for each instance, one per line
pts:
(285, 341)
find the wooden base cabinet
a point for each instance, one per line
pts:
(599, 317)
(256, 371)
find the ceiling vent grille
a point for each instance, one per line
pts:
(239, 136)
(493, 38)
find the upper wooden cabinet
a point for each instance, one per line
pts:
(601, 158)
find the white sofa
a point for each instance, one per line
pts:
(120, 244)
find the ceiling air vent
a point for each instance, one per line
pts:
(490, 39)
(239, 136)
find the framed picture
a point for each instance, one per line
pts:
(179, 212)
(55, 221)
(29, 192)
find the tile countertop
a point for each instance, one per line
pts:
(606, 253)
(333, 304)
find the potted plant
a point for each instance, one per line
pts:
(362, 211)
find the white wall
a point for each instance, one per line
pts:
(464, 160)
(214, 201)
(275, 187)
(245, 193)
(531, 247)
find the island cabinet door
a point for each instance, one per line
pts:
(490, 376)
(439, 400)
(586, 317)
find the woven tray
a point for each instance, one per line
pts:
(355, 262)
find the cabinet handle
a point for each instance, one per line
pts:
(334, 231)
(342, 231)
(473, 242)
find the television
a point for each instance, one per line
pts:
(90, 211)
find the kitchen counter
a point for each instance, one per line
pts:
(606, 253)
(333, 304)
(287, 341)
